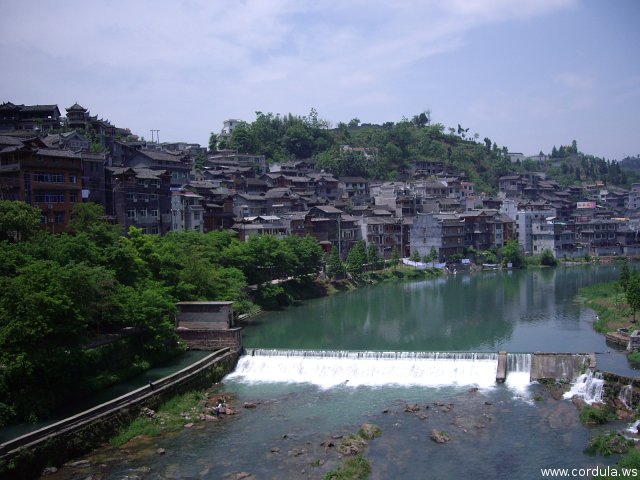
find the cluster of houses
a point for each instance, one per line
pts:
(51, 162)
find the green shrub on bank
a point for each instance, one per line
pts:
(354, 468)
(596, 415)
(634, 357)
(170, 417)
(608, 444)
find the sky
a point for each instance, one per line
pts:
(528, 74)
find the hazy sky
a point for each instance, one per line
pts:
(529, 74)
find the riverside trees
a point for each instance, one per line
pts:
(59, 293)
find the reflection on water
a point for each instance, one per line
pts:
(517, 311)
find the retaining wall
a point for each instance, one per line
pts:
(25, 457)
(614, 383)
(560, 366)
(206, 339)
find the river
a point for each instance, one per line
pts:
(327, 377)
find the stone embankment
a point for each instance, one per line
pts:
(25, 457)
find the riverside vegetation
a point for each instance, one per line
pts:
(94, 307)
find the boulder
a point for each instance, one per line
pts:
(250, 405)
(439, 436)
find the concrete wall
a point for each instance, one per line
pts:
(205, 339)
(201, 315)
(25, 457)
(614, 383)
(560, 366)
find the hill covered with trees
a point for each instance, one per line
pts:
(388, 151)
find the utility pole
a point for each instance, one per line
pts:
(339, 236)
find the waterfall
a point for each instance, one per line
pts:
(330, 368)
(626, 395)
(588, 386)
(518, 371)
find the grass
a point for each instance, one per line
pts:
(353, 468)
(170, 417)
(608, 444)
(610, 302)
(591, 415)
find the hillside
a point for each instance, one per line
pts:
(389, 151)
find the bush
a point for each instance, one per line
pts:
(355, 468)
(548, 259)
(596, 415)
(272, 297)
(608, 444)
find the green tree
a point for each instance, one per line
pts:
(242, 138)
(395, 257)
(335, 266)
(548, 259)
(373, 257)
(356, 259)
(625, 274)
(511, 253)
(18, 221)
(307, 255)
(91, 219)
(432, 256)
(213, 142)
(633, 292)
(415, 256)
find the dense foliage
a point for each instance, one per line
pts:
(60, 294)
(390, 151)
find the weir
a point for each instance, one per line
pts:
(331, 368)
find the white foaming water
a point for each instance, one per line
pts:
(633, 427)
(332, 368)
(518, 372)
(588, 386)
(626, 395)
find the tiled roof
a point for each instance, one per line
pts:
(54, 152)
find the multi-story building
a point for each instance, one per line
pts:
(555, 236)
(444, 232)
(93, 177)
(524, 229)
(187, 212)
(39, 118)
(232, 158)
(47, 178)
(386, 233)
(139, 197)
(179, 166)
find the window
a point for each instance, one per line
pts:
(131, 197)
(59, 217)
(49, 177)
(49, 197)
(154, 230)
(154, 212)
(196, 215)
(142, 213)
(73, 179)
(131, 213)
(73, 197)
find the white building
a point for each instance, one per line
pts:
(186, 211)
